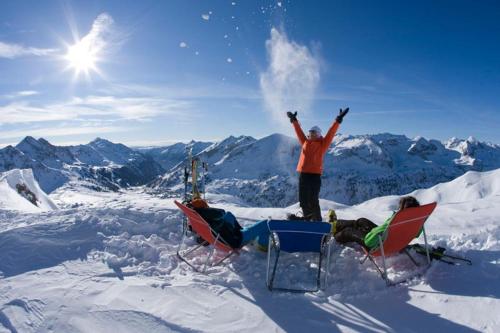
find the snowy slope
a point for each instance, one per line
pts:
(106, 262)
(469, 187)
(11, 199)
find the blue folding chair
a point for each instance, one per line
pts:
(294, 237)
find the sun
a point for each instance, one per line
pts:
(82, 57)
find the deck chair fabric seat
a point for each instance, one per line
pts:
(208, 234)
(297, 237)
(403, 228)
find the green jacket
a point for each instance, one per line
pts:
(371, 238)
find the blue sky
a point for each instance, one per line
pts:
(168, 71)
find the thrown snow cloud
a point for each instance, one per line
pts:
(183, 44)
(291, 78)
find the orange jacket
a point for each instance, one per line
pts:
(313, 151)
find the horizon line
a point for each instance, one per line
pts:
(165, 143)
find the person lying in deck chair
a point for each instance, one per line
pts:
(226, 224)
(363, 231)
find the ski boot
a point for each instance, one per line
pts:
(331, 218)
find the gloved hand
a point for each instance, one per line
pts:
(341, 115)
(292, 116)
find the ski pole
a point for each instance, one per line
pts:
(186, 175)
(468, 261)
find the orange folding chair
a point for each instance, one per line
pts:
(404, 227)
(210, 237)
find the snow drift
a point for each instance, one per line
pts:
(20, 191)
(471, 186)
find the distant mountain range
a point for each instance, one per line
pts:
(100, 164)
(260, 172)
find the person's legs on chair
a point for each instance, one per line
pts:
(349, 234)
(259, 231)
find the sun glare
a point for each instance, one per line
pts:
(81, 58)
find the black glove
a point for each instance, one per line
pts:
(292, 116)
(341, 115)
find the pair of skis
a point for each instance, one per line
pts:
(438, 253)
(191, 167)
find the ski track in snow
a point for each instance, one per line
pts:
(106, 261)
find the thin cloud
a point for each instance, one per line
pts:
(12, 51)
(24, 112)
(105, 107)
(293, 73)
(27, 93)
(20, 94)
(127, 108)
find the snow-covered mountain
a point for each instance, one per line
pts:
(170, 156)
(101, 164)
(357, 168)
(259, 172)
(49, 178)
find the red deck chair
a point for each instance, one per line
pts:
(210, 236)
(404, 227)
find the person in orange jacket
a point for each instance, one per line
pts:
(310, 166)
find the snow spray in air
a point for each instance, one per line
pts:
(290, 80)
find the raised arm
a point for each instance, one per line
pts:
(296, 126)
(333, 129)
(330, 134)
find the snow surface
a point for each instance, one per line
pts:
(106, 262)
(11, 199)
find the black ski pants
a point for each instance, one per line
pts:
(353, 230)
(309, 187)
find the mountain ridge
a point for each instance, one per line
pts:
(102, 164)
(357, 167)
(259, 171)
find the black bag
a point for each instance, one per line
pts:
(224, 223)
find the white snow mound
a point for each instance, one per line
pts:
(11, 199)
(472, 185)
